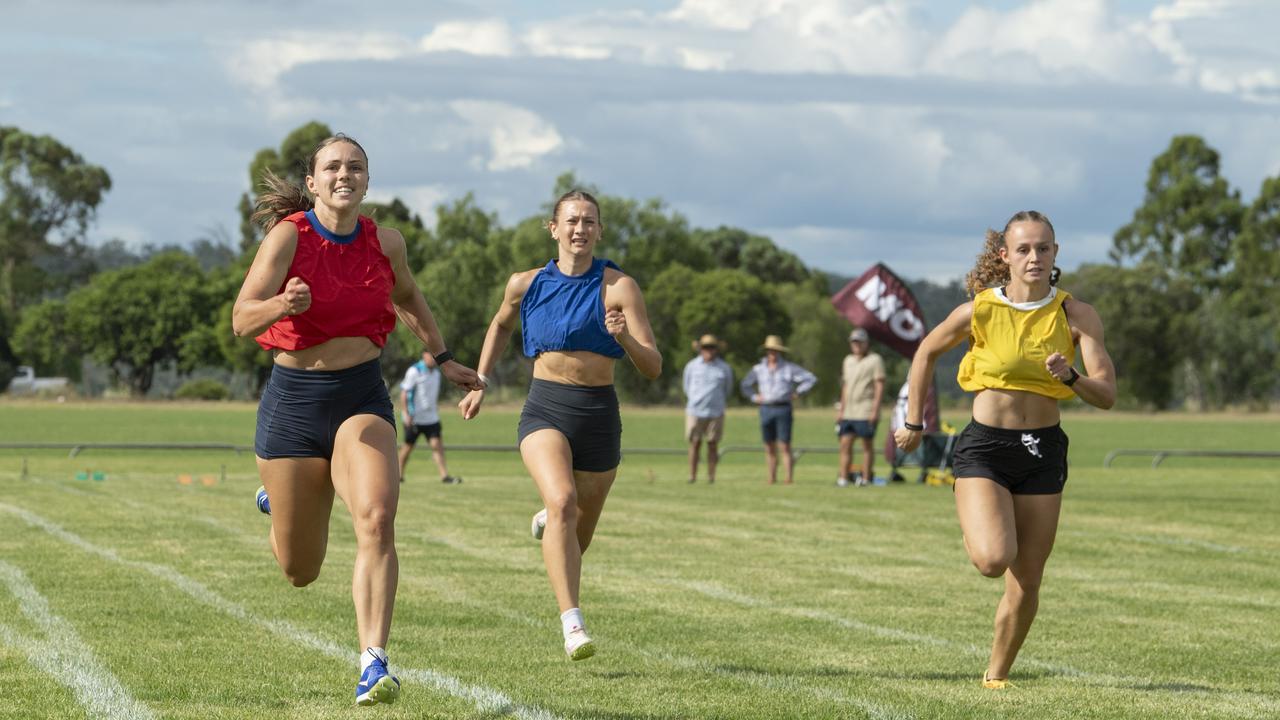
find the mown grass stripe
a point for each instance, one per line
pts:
(485, 699)
(64, 656)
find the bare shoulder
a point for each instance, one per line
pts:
(518, 284)
(1081, 314)
(391, 240)
(962, 314)
(618, 281)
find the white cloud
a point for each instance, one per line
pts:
(488, 38)
(259, 63)
(517, 137)
(421, 199)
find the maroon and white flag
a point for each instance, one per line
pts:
(884, 306)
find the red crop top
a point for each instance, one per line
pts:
(350, 289)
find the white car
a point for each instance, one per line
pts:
(26, 382)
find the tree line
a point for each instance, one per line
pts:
(1189, 297)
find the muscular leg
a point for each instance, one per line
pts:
(713, 459)
(987, 521)
(788, 460)
(574, 500)
(1036, 518)
(694, 447)
(301, 499)
(771, 461)
(437, 454)
(364, 477)
(846, 456)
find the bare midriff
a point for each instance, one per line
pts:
(337, 354)
(574, 367)
(1015, 409)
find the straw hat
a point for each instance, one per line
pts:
(773, 342)
(709, 340)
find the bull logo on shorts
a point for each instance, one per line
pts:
(1032, 444)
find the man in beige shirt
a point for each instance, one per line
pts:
(862, 389)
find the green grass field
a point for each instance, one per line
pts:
(139, 597)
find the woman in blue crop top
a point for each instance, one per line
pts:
(1011, 461)
(578, 314)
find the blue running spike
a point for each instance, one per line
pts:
(377, 685)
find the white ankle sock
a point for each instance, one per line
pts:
(571, 619)
(369, 655)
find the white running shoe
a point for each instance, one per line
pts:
(578, 646)
(539, 524)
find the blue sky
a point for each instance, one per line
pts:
(851, 131)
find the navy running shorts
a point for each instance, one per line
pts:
(412, 431)
(775, 422)
(587, 416)
(1026, 462)
(301, 410)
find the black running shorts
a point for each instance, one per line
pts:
(1026, 462)
(587, 416)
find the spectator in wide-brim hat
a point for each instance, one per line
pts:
(773, 383)
(708, 381)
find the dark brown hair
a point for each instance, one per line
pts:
(574, 195)
(990, 270)
(280, 198)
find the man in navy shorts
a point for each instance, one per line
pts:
(419, 396)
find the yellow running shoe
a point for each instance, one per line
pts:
(993, 684)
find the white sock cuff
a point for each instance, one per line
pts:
(370, 654)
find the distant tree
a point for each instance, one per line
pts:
(420, 246)
(133, 320)
(47, 193)
(1188, 219)
(819, 338)
(1148, 334)
(756, 255)
(289, 162)
(43, 340)
(733, 305)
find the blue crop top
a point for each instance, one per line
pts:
(566, 312)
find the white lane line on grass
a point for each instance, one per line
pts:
(64, 656)
(718, 592)
(485, 699)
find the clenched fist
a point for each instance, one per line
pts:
(616, 323)
(296, 296)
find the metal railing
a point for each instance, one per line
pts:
(77, 448)
(1158, 456)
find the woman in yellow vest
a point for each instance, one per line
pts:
(1011, 460)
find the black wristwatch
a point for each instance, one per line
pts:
(1071, 380)
(443, 358)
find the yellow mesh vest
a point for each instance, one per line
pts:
(1008, 346)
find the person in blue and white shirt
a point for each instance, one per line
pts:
(708, 381)
(772, 384)
(419, 396)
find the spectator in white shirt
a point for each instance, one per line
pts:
(708, 380)
(419, 396)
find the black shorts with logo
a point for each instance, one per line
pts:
(1026, 462)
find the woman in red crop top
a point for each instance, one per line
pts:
(1011, 461)
(323, 292)
(570, 429)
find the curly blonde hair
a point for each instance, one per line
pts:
(989, 270)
